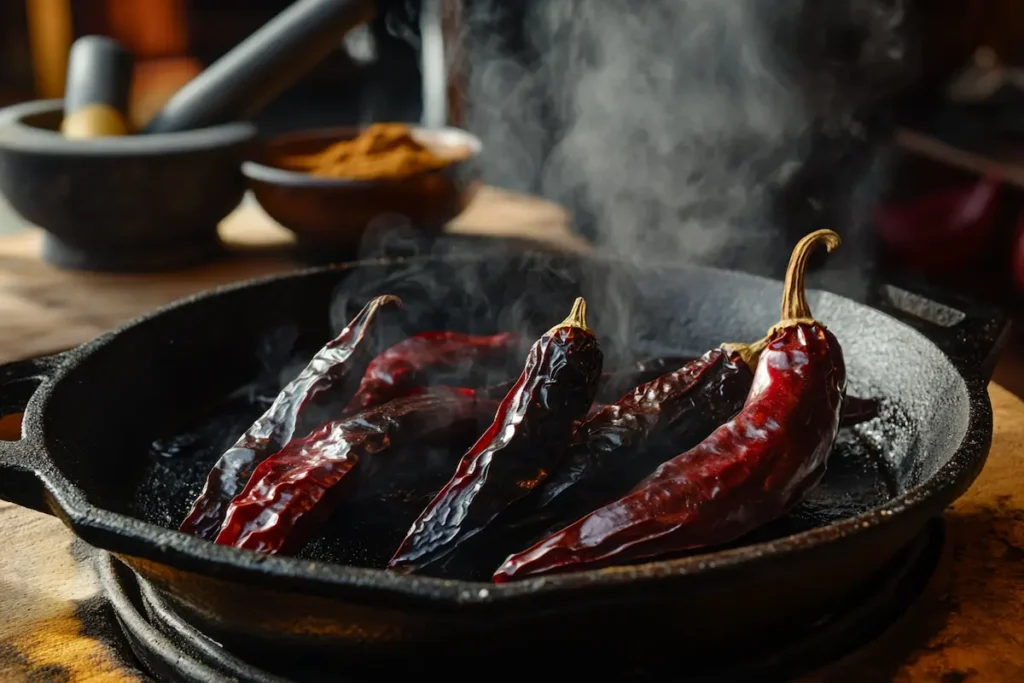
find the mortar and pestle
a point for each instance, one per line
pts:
(113, 201)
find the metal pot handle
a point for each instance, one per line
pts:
(19, 463)
(969, 331)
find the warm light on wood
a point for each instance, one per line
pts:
(50, 35)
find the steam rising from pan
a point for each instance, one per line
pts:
(694, 130)
(540, 292)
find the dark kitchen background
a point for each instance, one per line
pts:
(172, 40)
(943, 202)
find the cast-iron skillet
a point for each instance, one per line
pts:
(91, 413)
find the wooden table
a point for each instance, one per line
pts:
(969, 624)
(43, 309)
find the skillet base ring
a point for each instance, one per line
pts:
(175, 652)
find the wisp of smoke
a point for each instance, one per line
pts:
(693, 130)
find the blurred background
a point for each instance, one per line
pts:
(956, 116)
(374, 75)
(173, 40)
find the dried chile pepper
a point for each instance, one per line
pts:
(295, 489)
(531, 428)
(619, 444)
(616, 383)
(749, 471)
(498, 390)
(319, 393)
(613, 383)
(425, 359)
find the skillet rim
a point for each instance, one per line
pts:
(125, 535)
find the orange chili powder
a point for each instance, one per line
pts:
(382, 151)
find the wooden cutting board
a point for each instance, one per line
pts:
(54, 626)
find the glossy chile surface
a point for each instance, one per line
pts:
(293, 492)
(410, 363)
(749, 471)
(319, 393)
(530, 431)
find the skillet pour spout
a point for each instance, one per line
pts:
(89, 423)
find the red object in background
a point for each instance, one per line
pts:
(1017, 257)
(153, 29)
(941, 232)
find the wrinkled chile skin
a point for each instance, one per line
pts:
(749, 471)
(318, 394)
(530, 431)
(407, 365)
(615, 383)
(290, 493)
(623, 442)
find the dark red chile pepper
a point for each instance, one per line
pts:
(498, 390)
(293, 491)
(426, 359)
(748, 472)
(613, 383)
(616, 383)
(619, 444)
(319, 393)
(530, 431)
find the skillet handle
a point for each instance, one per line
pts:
(19, 461)
(971, 332)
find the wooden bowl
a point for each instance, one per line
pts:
(332, 215)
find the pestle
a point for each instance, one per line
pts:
(96, 93)
(263, 65)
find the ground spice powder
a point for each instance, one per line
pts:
(382, 151)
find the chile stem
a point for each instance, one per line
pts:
(577, 317)
(794, 296)
(363, 318)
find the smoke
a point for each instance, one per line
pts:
(704, 131)
(689, 130)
